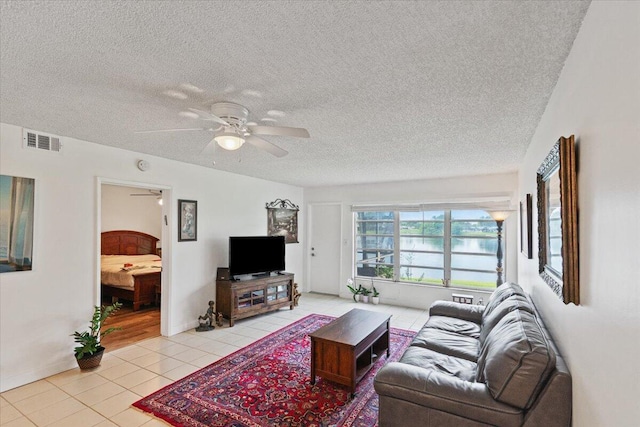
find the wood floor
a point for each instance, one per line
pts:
(136, 326)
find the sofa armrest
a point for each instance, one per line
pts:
(470, 312)
(436, 390)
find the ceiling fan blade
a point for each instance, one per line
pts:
(279, 131)
(266, 146)
(150, 193)
(209, 149)
(168, 130)
(208, 116)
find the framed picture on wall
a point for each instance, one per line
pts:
(282, 220)
(526, 226)
(558, 246)
(187, 220)
(16, 223)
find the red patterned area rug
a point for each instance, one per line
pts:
(267, 384)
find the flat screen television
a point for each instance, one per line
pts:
(255, 255)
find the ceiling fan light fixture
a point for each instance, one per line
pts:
(229, 140)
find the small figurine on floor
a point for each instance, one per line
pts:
(296, 295)
(219, 319)
(206, 321)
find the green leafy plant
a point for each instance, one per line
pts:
(355, 291)
(384, 271)
(364, 291)
(374, 291)
(90, 340)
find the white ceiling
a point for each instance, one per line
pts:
(389, 91)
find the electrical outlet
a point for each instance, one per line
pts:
(462, 298)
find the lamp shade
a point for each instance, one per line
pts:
(500, 215)
(229, 140)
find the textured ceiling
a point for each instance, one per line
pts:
(389, 91)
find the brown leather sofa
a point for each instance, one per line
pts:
(474, 365)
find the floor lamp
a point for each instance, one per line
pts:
(499, 217)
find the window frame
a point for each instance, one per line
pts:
(399, 235)
(377, 235)
(447, 252)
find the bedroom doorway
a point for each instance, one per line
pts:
(134, 219)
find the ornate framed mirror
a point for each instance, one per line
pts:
(558, 221)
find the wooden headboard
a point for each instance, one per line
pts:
(126, 242)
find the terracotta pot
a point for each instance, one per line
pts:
(92, 360)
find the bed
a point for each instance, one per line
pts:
(130, 267)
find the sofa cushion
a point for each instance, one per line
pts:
(516, 359)
(452, 324)
(503, 292)
(492, 317)
(448, 343)
(448, 365)
(413, 396)
(470, 312)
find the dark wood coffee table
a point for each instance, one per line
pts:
(344, 350)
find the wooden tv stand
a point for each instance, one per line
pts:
(238, 299)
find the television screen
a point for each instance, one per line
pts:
(255, 254)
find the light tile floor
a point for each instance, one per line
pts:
(103, 397)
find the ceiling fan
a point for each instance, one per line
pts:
(234, 130)
(155, 193)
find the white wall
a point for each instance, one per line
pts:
(41, 308)
(597, 98)
(435, 190)
(121, 211)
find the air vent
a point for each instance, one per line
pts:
(41, 141)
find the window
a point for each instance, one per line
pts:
(474, 243)
(375, 244)
(456, 246)
(422, 246)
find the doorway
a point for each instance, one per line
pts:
(141, 208)
(325, 252)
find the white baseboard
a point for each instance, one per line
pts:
(184, 327)
(22, 378)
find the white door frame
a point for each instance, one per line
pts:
(165, 238)
(310, 235)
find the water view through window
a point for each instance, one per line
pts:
(457, 246)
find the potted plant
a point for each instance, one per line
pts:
(375, 295)
(355, 291)
(89, 351)
(364, 292)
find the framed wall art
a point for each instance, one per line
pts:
(282, 220)
(526, 226)
(558, 221)
(187, 220)
(16, 223)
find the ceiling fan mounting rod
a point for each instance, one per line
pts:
(234, 114)
(234, 128)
